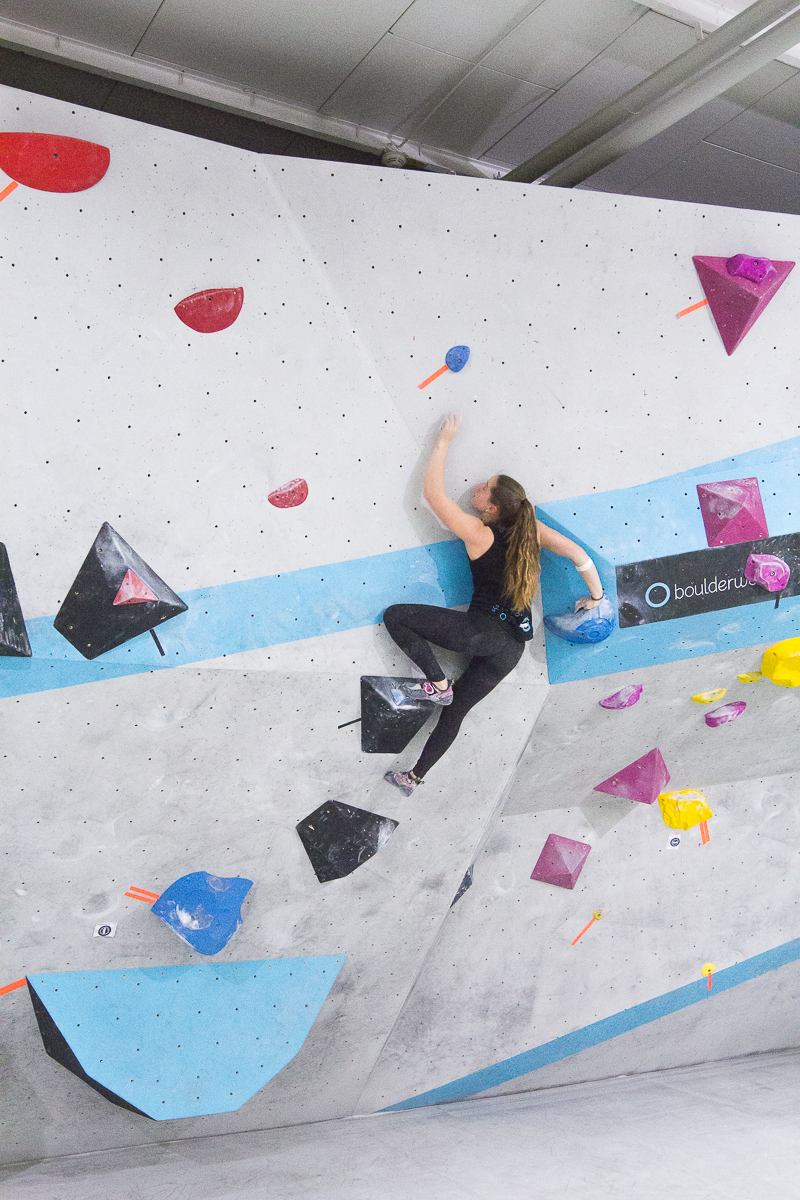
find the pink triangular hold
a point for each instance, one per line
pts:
(133, 591)
(736, 303)
(732, 511)
(641, 780)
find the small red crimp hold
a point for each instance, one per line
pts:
(212, 310)
(290, 495)
(51, 163)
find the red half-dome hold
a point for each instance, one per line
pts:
(290, 495)
(51, 163)
(212, 310)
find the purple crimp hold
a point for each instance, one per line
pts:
(725, 714)
(768, 570)
(747, 267)
(624, 698)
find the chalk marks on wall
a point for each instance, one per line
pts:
(338, 838)
(13, 634)
(212, 310)
(290, 495)
(738, 290)
(49, 162)
(203, 910)
(94, 618)
(181, 1041)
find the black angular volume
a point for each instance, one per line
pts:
(13, 634)
(339, 838)
(114, 597)
(389, 719)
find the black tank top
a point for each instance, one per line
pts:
(488, 589)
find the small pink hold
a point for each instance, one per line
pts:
(624, 698)
(747, 267)
(211, 311)
(290, 495)
(768, 570)
(725, 714)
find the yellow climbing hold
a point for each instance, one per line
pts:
(682, 810)
(781, 663)
(710, 697)
(598, 914)
(750, 676)
(708, 968)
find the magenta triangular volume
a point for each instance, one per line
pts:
(736, 303)
(641, 780)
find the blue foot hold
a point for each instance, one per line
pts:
(592, 626)
(204, 910)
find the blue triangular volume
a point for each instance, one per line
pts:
(204, 910)
(187, 1041)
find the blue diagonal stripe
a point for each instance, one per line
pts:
(603, 1031)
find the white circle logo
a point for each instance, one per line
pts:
(657, 603)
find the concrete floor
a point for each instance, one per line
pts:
(719, 1131)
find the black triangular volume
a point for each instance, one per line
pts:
(90, 620)
(389, 719)
(13, 634)
(59, 1048)
(338, 838)
(466, 883)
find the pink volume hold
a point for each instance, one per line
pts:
(624, 698)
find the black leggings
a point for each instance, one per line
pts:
(493, 654)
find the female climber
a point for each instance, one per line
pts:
(503, 543)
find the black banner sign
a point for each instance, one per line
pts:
(663, 589)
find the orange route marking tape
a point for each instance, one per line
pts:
(11, 987)
(692, 308)
(435, 375)
(596, 915)
(705, 836)
(140, 894)
(8, 190)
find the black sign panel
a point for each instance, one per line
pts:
(663, 589)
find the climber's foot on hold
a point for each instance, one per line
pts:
(405, 781)
(429, 691)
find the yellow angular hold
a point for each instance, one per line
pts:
(781, 663)
(710, 697)
(750, 676)
(682, 810)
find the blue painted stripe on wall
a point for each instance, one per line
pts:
(248, 615)
(603, 1031)
(662, 518)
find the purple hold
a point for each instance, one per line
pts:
(768, 570)
(747, 267)
(624, 698)
(725, 714)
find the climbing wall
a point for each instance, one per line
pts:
(212, 357)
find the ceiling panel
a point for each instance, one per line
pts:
(651, 42)
(782, 103)
(761, 137)
(299, 52)
(710, 175)
(461, 28)
(392, 82)
(757, 85)
(482, 108)
(114, 26)
(638, 165)
(601, 81)
(560, 37)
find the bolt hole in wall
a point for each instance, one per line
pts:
(306, 368)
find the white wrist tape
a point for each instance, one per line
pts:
(585, 566)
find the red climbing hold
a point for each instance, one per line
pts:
(133, 591)
(211, 311)
(290, 495)
(51, 163)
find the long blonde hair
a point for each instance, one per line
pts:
(516, 516)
